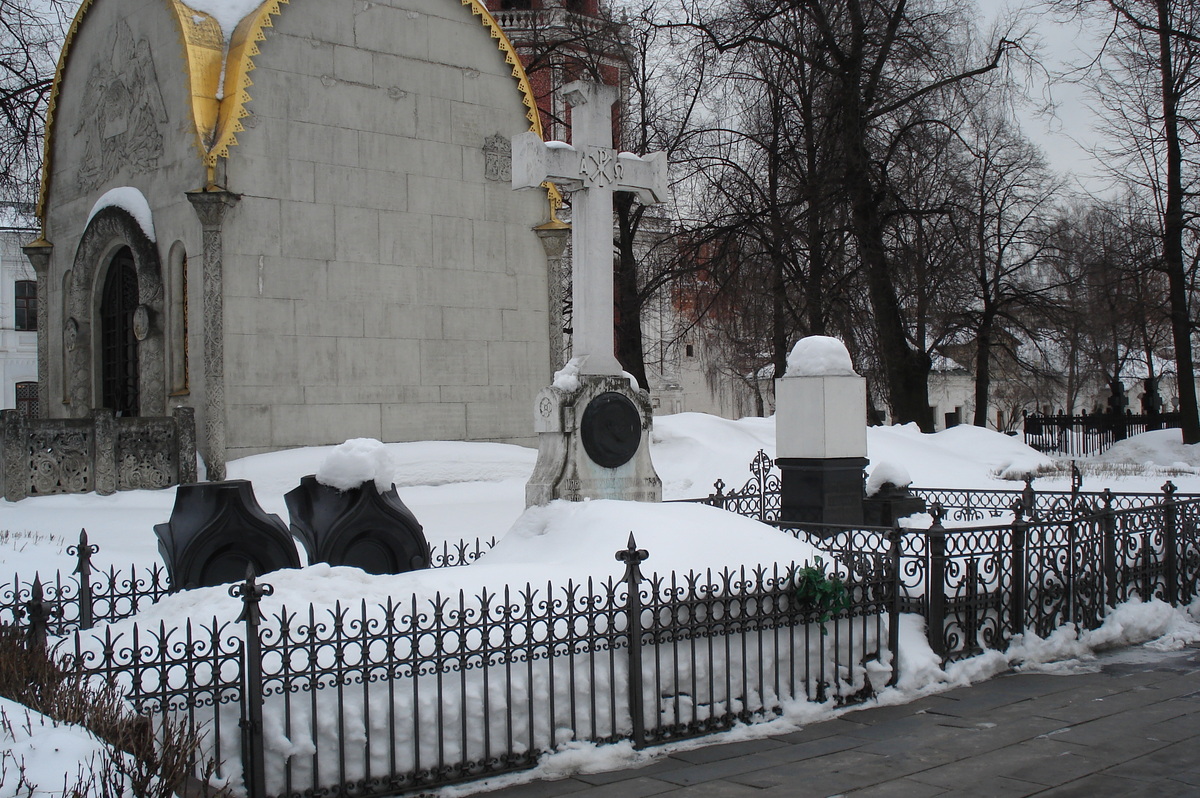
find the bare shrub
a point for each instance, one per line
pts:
(151, 757)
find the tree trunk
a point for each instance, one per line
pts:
(629, 344)
(1173, 227)
(905, 370)
(983, 377)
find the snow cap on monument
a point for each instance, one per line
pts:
(359, 460)
(819, 356)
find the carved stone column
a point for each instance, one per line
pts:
(38, 254)
(105, 480)
(185, 437)
(211, 206)
(554, 237)
(15, 461)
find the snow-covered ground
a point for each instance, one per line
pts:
(464, 491)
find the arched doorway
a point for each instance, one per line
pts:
(118, 343)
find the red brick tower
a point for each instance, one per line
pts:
(560, 41)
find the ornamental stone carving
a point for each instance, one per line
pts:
(210, 207)
(127, 132)
(497, 159)
(100, 453)
(111, 229)
(141, 322)
(70, 335)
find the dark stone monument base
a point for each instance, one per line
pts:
(821, 490)
(890, 503)
(593, 443)
(359, 527)
(216, 530)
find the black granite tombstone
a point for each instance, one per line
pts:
(360, 527)
(216, 530)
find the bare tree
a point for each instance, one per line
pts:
(1008, 227)
(883, 63)
(1147, 79)
(31, 36)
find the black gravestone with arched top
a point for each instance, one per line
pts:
(216, 530)
(360, 527)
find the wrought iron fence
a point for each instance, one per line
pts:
(363, 700)
(1047, 558)
(368, 700)
(759, 498)
(116, 594)
(976, 587)
(1088, 434)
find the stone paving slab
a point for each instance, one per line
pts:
(1128, 726)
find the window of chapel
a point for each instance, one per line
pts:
(25, 305)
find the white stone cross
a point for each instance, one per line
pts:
(593, 170)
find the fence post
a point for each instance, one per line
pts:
(1020, 530)
(38, 614)
(84, 551)
(1029, 499)
(1170, 543)
(936, 574)
(15, 455)
(253, 759)
(185, 440)
(894, 538)
(1108, 525)
(632, 556)
(1076, 486)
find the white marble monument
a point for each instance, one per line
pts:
(821, 433)
(593, 425)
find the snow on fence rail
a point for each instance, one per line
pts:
(118, 593)
(363, 699)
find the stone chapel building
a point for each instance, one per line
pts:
(294, 218)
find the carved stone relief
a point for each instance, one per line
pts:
(111, 229)
(127, 113)
(497, 158)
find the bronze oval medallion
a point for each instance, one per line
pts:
(611, 429)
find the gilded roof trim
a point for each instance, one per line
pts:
(217, 115)
(239, 63)
(511, 58)
(553, 195)
(204, 52)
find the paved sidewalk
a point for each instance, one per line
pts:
(1130, 729)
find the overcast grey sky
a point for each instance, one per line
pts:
(1066, 133)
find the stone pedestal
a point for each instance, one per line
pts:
(820, 490)
(593, 443)
(889, 504)
(821, 443)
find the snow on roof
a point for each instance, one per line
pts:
(128, 199)
(943, 363)
(227, 13)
